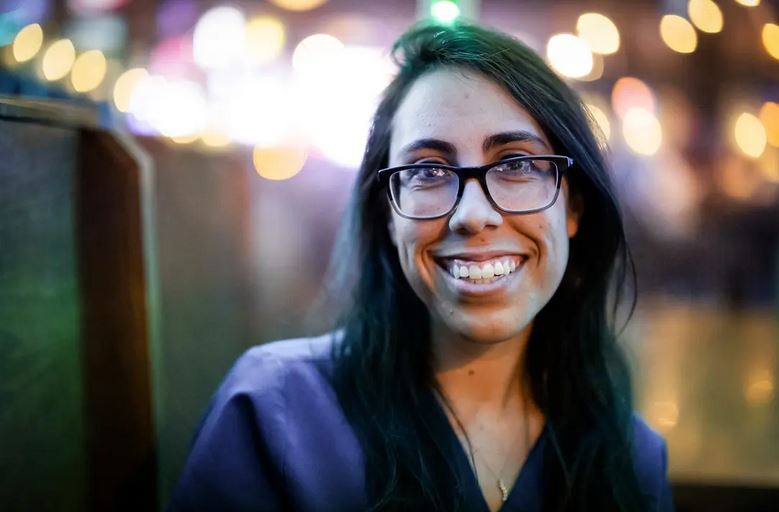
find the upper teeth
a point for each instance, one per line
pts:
(484, 269)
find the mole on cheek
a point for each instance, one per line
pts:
(471, 372)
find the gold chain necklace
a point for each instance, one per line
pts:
(499, 482)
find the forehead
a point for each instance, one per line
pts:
(459, 106)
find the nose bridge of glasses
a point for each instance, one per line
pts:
(474, 194)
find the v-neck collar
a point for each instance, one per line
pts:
(524, 495)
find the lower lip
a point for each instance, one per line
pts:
(471, 289)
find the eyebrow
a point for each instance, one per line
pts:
(489, 143)
(502, 138)
(436, 144)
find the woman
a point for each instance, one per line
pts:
(474, 367)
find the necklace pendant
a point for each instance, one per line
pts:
(504, 493)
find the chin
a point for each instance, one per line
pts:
(487, 331)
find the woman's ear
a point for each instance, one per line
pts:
(574, 211)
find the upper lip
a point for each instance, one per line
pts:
(478, 255)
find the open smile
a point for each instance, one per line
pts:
(481, 277)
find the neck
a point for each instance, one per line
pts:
(480, 374)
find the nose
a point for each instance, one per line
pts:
(474, 211)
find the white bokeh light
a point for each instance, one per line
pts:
(170, 108)
(569, 55)
(253, 109)
(219, 38)
(337, 105)
(318, 54)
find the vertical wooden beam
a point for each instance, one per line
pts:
(115, 339)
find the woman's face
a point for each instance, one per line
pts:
(465, 111)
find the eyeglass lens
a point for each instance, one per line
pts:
(516, 186)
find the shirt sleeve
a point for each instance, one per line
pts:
(231, 465)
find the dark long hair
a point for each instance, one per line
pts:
(577, 374)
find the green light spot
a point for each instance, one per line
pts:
(445, 11)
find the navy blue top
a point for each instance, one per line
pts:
(274, 437)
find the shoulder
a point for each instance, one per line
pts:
(650, 456)
(264, 368)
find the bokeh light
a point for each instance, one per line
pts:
(642, 131)
(28, 42)
(279, 162)
(599, 32)
(298, 5)
(58, 59)
(750, 135)
(125, 86)
(769, 116)
(444, 11)
(265, 38)
(317, 54)
(185, 139)
(678, 34)
(706, 15)
(596, 73)
(254, 109)
(173, 108)
(569, 55)
(336, 106)
(218, 39)
(749, 3)
(173, 57)
(770, 36)
(630, 92)
(215, 139)
(89, 70)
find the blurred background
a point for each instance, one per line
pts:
(172, 173)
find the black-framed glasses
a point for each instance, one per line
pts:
(522, 184)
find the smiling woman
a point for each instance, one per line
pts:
(474, 366)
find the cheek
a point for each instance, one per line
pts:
(412, 239)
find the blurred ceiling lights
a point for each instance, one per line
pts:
(771, 39)
(599, 32)
(89, 70)
(215, 139)
(265, 38)
(125, 86)
(706, 15)
(750, 135)
(769, 116)
(58, 59)
(317, 54)
(642, 131)
(219, 38)
(569, 55)
(298, 5)
(444, 11)
(749, 3)
(28, 42)
(630, 92)
(678, 34)
(596, 73)
(279, 162)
